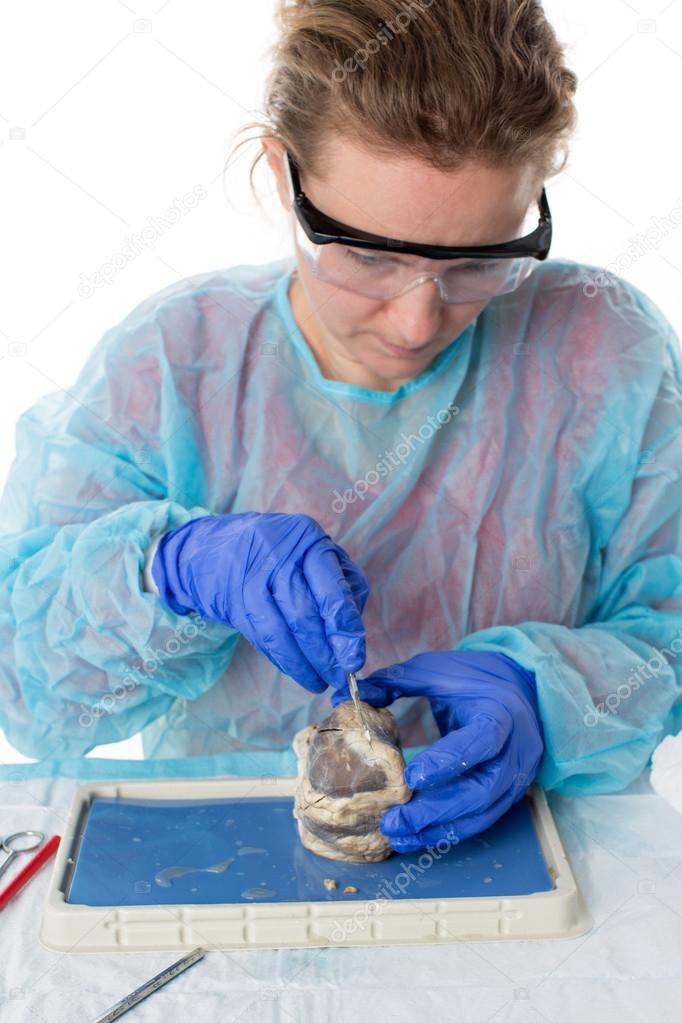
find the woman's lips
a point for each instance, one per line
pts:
(404, 353)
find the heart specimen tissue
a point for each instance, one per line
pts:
(346, 782)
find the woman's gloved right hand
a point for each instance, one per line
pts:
(278, 579)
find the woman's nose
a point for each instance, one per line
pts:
(417, 312)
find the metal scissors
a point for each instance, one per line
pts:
(20, 841)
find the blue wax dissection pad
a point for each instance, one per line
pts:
(130, 848)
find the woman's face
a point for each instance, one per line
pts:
(381, 344)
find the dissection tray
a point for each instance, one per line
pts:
(217, 862)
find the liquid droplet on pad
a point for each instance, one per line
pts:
(247, 849)
(165, 877)
(257, 893)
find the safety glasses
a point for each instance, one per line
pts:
(481, 271)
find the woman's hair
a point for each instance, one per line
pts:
(446, 81)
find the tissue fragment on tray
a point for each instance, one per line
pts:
(345, 783)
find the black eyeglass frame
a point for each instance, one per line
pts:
(322, 230)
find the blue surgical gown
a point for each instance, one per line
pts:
(522, 494)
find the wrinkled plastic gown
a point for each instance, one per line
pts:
(347, 781)
(542, 520)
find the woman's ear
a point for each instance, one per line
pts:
(274, 154)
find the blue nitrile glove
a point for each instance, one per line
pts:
(278, 579)
(486, 708)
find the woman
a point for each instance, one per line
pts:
(418, 449)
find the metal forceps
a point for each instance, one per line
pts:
(20, 841)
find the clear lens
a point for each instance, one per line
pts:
(381, 275)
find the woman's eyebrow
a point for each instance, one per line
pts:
(407, 258)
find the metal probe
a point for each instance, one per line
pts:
(353, 686)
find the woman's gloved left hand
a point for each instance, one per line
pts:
(486, 708)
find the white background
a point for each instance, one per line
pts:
(110, 112)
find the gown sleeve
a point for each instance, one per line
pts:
(88, 655)
(605, 688)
